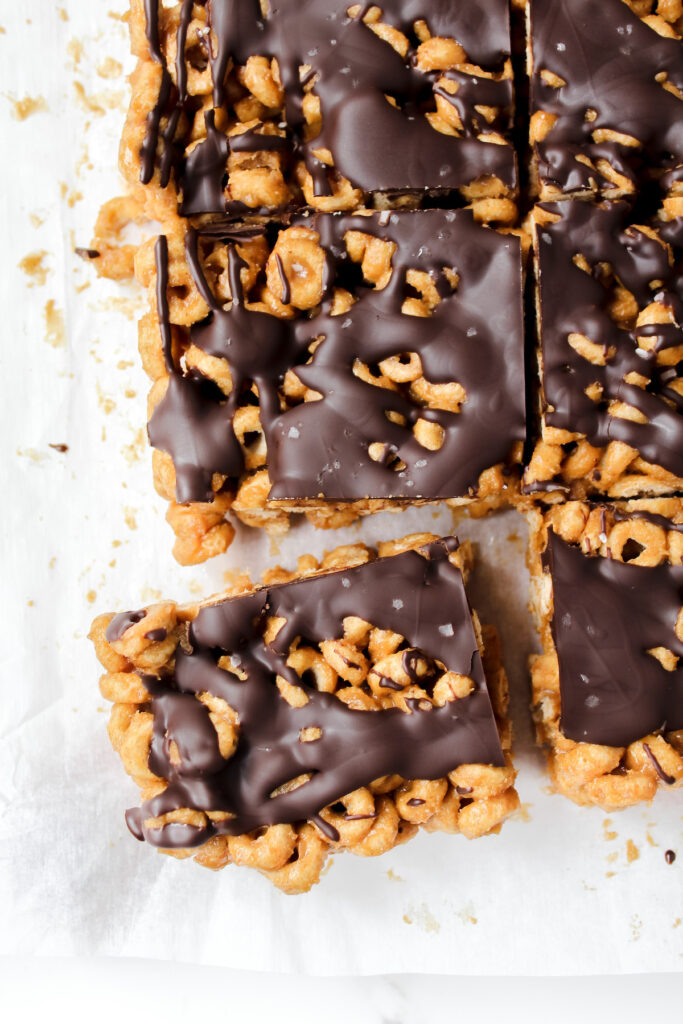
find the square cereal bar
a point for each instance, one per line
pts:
(608, 689)
(253, 108)
(343, 365)
(610, 316)
(338, 708)
(606, 95)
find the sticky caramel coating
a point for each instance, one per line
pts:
(588, 773)
(356, 667)
(202, 529)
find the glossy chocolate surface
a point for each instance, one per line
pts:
(422, 598)
(321, 448)
(376, 145)
(573, 301)
(608, 59)
(606, 616)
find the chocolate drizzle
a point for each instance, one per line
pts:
(606, 616)
(664, 776)
(608, 59)
(354, 73)
(121, 622)
(320, 449)
(355, 746)
(572, 301)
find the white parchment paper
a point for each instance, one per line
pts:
(562, 890)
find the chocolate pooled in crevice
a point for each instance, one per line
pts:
(356, 747)
(319, 449)
(573, 301)
(608, 59)
(606, 616)
(375, 145)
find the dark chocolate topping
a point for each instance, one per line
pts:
(355, 746)
(156, 635)
(574, 301)
(474, 337)
(669, 856)
(606, 616)
(120, 623)
(649, 517)
(373, 144)
(608, 59)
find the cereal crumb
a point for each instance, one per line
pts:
(31, 604)
(632, 851)
(522, 812)
(393, 877)
(74, 49)
(106, 404)
(130, 521)
(33, 265)
(466, 915)
(71, 197)
(636, 925)
(423, 917)
(98, 103)
(37, 219)
(27, 106)
(609, 835)
(55, 333)
(62, 14)
(134, 451)
(110, 68)
(91, 596)
(32, 454)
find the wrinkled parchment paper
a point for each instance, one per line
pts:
(562, 890)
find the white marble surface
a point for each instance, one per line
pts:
(141, 990)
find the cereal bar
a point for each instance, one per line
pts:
(610, 310)
(608, 688)
(252, 108)
(606, 95)
(342, 365)
(338, 708)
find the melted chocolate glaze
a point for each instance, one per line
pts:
(373, 144)
(320, 448)
(649, 517)
(608, 59)
(574, 301)
(606, 616)
(121, 622)
(355, 746)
